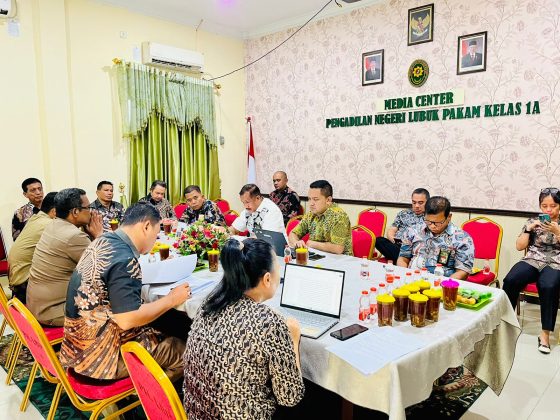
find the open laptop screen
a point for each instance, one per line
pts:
(313, 289)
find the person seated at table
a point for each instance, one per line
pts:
(57, 253)
(327, 224)
(284, 197)
(105, 206)
(541, 264)
(410, 218)
(21, 252)
(104, 308)
(242, 357)
(259, 213)
(438, 241)
(33, 191)
(156, 198)
(199, 207)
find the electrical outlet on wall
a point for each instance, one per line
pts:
(222, 140)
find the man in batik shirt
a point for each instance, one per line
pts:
(409, 218)
(105, 206)
(157, 199)
(438, 242)
(33, 191)
(284, 197)
(327, 224)
(201, 208)
(104, 309)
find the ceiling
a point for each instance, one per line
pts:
(238, 18)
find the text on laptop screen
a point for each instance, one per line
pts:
(314, 289)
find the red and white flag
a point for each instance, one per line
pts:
(251, 171)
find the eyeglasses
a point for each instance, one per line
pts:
(89, 208)
(435, 224)
(549, 191)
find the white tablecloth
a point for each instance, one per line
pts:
(484, 341)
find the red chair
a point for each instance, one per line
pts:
(179, 209)
(230, 216)
(3, 255)
(487, 238)
(292, 223)
(223, 205)
(363, 242)
(373, 219)
(84, 393)
(157, 395)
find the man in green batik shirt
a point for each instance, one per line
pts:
(327, 224)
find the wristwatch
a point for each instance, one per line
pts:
(527, 231)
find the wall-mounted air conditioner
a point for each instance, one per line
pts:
(7, 8)
(171, 57)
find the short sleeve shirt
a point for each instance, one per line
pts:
(543, 249)
(267, 216)
(164, 207)
(114, 211)
(209, 210)
(407, 219)
(453, 248)
(332, 226)
(107, 281)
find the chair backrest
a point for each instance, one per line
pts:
(301, 211)
(363, 242)
(230, 216)
(373, 219)
(292, 223)
(487, 238)
(157, 395)
(3, 252)
(223, 205)
(34, 338)
(179, 209)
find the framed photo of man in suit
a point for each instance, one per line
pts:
(421, 24)
(372, 67)
(471, 53)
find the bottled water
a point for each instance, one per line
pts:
(287, 254)
(364, 269)
(372, 303)
(364, 306)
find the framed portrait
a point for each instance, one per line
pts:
(421, 24)
(471, 53)
(372, 67)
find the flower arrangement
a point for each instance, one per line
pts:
(199, 238)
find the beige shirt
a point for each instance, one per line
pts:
(21, 252)
(56, 255)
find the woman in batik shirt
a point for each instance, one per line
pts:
(242, 357)
(541, 264)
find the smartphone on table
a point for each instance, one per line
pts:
(348, 332)
(544, 218)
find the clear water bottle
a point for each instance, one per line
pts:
(408, 279)
(389, 267)
(424, 274)
(152, 257)
(438, 275)
(287, 254)
(397, 283)
(364, 306)
(382, 289)
(372, 303)
(364, 269)
(390, 285)
(486, 269)
(416, 275)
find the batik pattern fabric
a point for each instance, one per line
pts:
(287, 201)
(115, 211)
(209, 211)
(543, 249)
(107, 280)
(453, 249)
(164, 207)
(239, 363)
(407, 219)
(21, 216)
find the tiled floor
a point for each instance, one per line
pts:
(531, 390)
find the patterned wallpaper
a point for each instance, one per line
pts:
(499, 162)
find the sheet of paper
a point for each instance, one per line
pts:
(197, 285)
(372, 350)
(168, 271)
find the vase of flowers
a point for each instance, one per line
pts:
(199, 238)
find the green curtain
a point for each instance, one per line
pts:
(179, 156)
(170, 121)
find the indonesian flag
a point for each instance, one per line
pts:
(251, 172)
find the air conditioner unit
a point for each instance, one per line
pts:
(7, 8)
(171, 57)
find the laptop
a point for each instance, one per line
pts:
(276, 239)
(313, 296)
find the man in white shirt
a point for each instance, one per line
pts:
(260, 212)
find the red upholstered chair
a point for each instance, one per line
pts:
(157, 395)
(292, 223)
(223, 205)
(3, 255)
(373, 219)
(85, 394)
(230, 216)
(179, 209)
(363, 242)
(487, 237)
